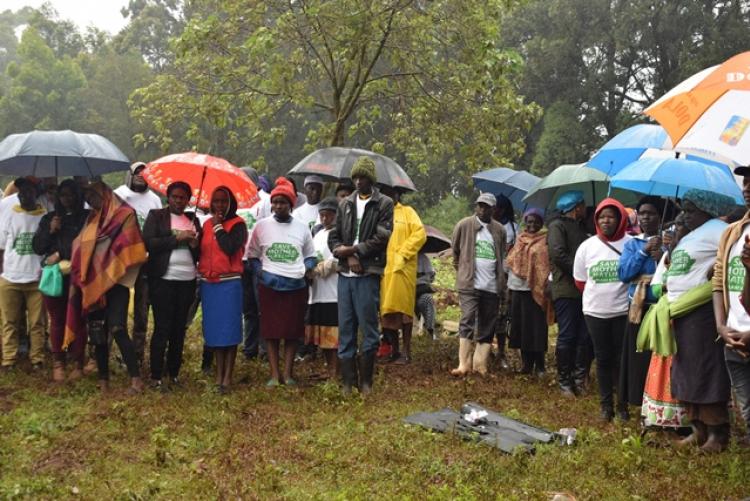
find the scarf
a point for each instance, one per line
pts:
(529, 260)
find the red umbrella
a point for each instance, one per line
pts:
(204, 174)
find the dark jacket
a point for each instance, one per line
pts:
(160, 241)
(564, 236)
(463, 245)
(44, 243)
(374, 230)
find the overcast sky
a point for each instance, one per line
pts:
(104, 14)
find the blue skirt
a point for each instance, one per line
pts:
(221, 303)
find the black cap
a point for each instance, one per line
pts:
(742, 170)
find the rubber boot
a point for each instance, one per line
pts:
(481, 356)
(582, 368)
(697, 438)
(58, 367)
(565, 361)
(465, 350)
(366, 370)
(528, 362)
(718, 439)
(348, 374)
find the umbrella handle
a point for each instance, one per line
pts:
(200, 189)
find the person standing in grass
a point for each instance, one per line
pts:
(172, 238)
(478, 244)
(220, 267)
(283, 255)
(322, 318)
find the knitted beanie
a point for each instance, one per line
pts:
(364, 167)
(284, 188)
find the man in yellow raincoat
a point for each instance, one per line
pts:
(398, 287)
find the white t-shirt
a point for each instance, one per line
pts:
(251, 217)
(693, 257)
(181, 265)
(141, 203)
(324, 290)
(511, 232)
(308, 214)
(20, 264)
(604, 295)
(282, 247)
(516, 283)
(485, 261)
(360, 207)
(734, 273)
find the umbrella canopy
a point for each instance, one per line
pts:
(46, 153)
(335, 163)
(593, 183)
(630, 145)
(436, 241)
(204, 174)
(672, 177)
(708, 115)
(514, 184)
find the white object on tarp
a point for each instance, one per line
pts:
(569, 434)
(475, 415)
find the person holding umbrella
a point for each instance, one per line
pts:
(222, 245)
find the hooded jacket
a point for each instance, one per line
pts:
(564, 236)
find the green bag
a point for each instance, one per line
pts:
(51, 283)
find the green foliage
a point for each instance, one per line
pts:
(446, 213)
(562, 139)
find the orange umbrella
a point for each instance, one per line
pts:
(709, 113)
(204, 174)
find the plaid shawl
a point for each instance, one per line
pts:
(529, 260)
(108, 245)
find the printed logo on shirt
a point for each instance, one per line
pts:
(604, 272)
(141, 220)
(736, 274)
(181, 245)
(249, 220)
(681, 263)
(484, 250)
(22, 244)
(280, 252)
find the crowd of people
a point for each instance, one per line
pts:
(655, 294)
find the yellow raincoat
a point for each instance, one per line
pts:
(399, 285)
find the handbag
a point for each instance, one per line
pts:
(51, 283)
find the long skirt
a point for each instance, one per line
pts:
(322, 325)
(528, 323)
(633, 368)
(699, 373)
(282, 313)
(659, 407)
(221, 303)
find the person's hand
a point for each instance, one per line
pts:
(344, 251)
(52, 259)
(310, 274)
(730, 337)
(654, 243)
(55, 225)
(667, 238)
(217, 219)
(354, 265)
(194, 242)
(743, 339)
(185, 235)
(745, 256)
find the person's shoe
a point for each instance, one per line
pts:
(502, 363)
(223, 390)
(272, 383)
(156, 384)
(136, 386)
(623, 415)
(607, 414)
(366, 370)
(539, 374)
(465, 351)
(90, 367)
(174, 383)
(75, 374)
(103, 385)
(718, 439)
(481, 357)
(37, 366)
(402, 360)
(697, 438)
(290, 382)
(58, 371)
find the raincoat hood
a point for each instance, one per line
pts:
(621, 228)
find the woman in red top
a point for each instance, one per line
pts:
(220, 267)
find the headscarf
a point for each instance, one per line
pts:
(264, 183)
(232, 209)
(529, 260)
(533, 211)
(709, 202)
(621, 227)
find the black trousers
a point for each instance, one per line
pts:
(116, 317)
(170, 301)
(607, 335)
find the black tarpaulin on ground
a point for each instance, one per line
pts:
(496, 430)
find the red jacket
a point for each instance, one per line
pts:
(214, 262)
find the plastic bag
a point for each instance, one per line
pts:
(51, 283)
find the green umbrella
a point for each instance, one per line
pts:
(592, 182)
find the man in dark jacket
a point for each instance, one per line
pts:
(364, 223)
(564, 235)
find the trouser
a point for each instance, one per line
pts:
(502, 322)
(140, 314)
(359, 305)
(170, 301)
(57, 309)
(572, 335)
(739, 374)
(115, 316)
(425, 307)
(20, 303)
(478, 308)
(607, 335)
(250, 311)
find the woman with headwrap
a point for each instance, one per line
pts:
(530, 308)
(221, 248)
(54, 241)
(283, 255)
(699, 375)
(605, 297)
(106, 258)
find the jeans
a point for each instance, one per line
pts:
(739, 374)
(607, 335)
(21, 303)
(250, 311)
(572, 330)
(170, 300)
(140, 314)
(478, 308)
(359, 305)
(116, 316)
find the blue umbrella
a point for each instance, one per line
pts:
(513, 184)
(59, 153)
(672, 177)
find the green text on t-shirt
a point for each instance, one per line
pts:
(281, 252)
(249, 220)
(736, 274)
(681, 263)
(141, 220)
(484, 250)
(22, 244)
(604, 272)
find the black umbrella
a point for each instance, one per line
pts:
(59, 153)
(436, 241)
(335, 163)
